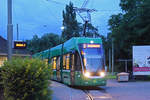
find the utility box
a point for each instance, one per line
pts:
(123, 76)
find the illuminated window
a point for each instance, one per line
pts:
(58, 63)
(2, 59)
(54, 63)
(83, 53)
(67, 61)
(64, 61)
(84, 60)
(72, 61)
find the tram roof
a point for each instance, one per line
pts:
(72, 45)
(69, 46)
(56, 51)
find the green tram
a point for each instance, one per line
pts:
(77, 62)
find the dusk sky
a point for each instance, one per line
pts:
(45, 16)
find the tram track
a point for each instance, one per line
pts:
(90, 97)
(97, 93)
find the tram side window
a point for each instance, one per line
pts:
(66, 61)
(58, 63)
(54, 62)
(77, 62)
(72, 61)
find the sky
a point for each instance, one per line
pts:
(45, 16)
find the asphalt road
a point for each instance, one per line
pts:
(113, 91)
(128, 90)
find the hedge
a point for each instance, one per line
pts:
(0, 78)
(26, 79)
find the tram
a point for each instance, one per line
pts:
(77, 62)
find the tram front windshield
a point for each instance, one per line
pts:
(92, 55)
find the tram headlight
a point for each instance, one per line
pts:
(87, 74)
(102, 74)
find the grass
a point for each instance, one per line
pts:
(109, 76)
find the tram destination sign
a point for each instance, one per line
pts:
(20, 45)
(91, 45)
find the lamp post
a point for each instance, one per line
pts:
(9, 29)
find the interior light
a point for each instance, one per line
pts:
(84, 62)
(87, 74)
(84, 46)
(82, 52)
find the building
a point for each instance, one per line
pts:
(16, 52)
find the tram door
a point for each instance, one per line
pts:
(58, 71)
(72, 69)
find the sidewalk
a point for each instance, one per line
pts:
(64, 92)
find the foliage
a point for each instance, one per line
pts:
(130, 27)
(70, 23)
(47, 41)
(26, 79)
(91, 31)
(74, 28)
(111, 76)
(0, 78)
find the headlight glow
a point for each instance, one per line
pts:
(102, 74)
(87, 74)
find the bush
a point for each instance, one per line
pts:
(0, 78)
(26, 79)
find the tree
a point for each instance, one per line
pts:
(48, 41)
(45, 42)
(91, 31)
(70, 23)
(130, 28)
(33, 44)
(74, 28)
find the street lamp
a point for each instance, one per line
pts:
(62, 28)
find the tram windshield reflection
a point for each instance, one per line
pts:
(92, 56)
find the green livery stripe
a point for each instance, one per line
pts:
(66, 77)
(54, 77)
(80, 79)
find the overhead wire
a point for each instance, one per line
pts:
(52, 14)
(62, 4)
(56, 2)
